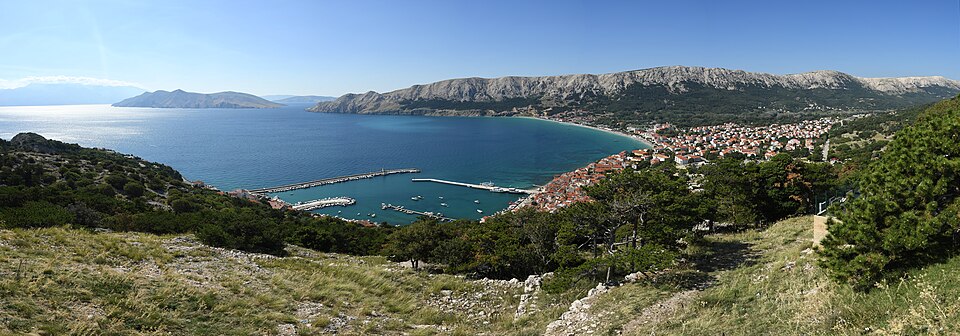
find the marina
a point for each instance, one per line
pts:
(484, 186)
(316, 183)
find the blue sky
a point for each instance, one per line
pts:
(331, 48)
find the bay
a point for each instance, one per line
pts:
(251, 148)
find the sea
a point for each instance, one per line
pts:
(252, 148)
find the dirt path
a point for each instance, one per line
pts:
(722, 256)
(660, 311)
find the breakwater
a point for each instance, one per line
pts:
(323, 203)
(331, 180)
(484, 186)
(402, 209)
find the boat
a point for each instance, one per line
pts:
(358, 214)
(373, 215)
(476, 201)
(441, 197)
(479, 211)
(339, 211)
(443, 204)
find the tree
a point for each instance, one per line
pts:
(732, 188)
(656, 205)
(415, 242)
(906, 213)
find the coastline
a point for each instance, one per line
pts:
(609, 131)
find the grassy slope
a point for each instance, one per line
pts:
(76, 281)
(783, 291)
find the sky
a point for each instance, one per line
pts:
(336, 47)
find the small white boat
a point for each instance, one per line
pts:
(479, 211)
(443, 204)
(476, 201)
(358, 214)
(441, 197)
(373, 215)
(414, 198)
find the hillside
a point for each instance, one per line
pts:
(673, 94)
(59, 281)
(183, 99)
(745, 283)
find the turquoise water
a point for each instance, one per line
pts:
(244, 148)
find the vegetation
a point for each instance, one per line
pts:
(906, 213)
(778, 288)
(60, 281)
(746, 193)
(45, 183)
(858, 141)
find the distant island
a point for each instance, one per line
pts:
(290, 99)
(183, 99)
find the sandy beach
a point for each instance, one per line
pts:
(645, 142)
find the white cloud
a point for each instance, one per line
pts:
(13, 84)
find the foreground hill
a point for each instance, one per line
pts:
(66, 281)
(665, 93)
(183, 99)
(61, 280)
(770, 283)
(65, 94)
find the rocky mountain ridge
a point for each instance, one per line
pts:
(599, 92)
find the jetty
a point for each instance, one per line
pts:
(331, 180)
(400, 208)
(484, 186)
(323, 203)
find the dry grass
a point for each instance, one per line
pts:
(786, 293)
(63, 281)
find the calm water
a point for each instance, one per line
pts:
(258, 148)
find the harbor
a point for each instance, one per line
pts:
(484, 186)
(331, 180)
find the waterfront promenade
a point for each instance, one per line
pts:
(484, 186)
(331, 180)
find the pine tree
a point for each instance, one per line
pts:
(907, 212)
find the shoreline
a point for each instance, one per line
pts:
(595, 128)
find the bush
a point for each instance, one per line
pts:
(133, 189)
(36, 214)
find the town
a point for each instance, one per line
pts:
(688, 146)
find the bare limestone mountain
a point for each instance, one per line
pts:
(183, 99)
(674, 92)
